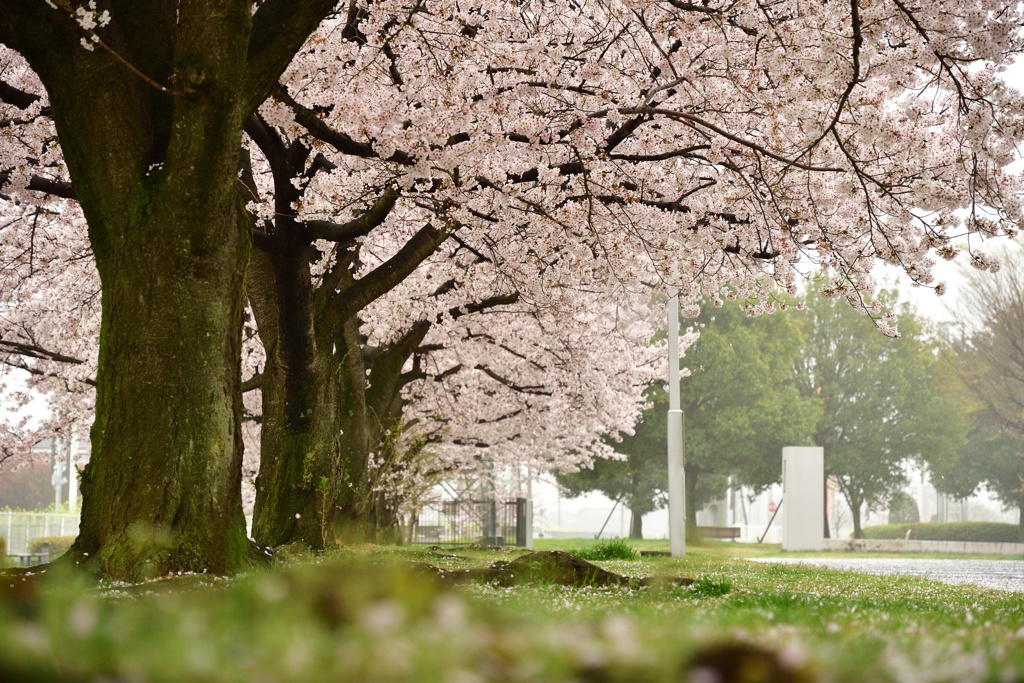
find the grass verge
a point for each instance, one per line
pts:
(366, 615)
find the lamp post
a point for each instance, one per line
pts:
(676, 456)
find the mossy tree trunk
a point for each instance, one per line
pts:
(150, 127)
(373, 381)
(162, 490)
(328, 399)
(301, 431)
(328, 403)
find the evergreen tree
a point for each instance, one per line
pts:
(741, 406)
(884, 400)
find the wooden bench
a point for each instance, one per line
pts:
(28, 559)
(726, 532)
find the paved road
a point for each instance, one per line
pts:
(1007, 575)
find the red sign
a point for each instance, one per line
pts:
(772, 507)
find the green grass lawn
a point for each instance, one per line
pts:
(364, 615)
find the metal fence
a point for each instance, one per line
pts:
(454, 522)
(18, 528)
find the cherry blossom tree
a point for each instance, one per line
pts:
(148, 102)
(346, 329)
(580, 188)
(49, 314)
(716, 146)
(576, 393)
(516, 389)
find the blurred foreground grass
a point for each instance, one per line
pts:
(366, 615)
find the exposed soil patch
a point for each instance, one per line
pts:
(551, 567)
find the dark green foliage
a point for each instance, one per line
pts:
(989, 457)
(903, 509)
(711, 586)
(742, 403)
(979, 532)
(987, 357)
(637, 482)
(615, 549)
(741, 406)
(883, 400)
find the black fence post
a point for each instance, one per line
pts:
(521, 523)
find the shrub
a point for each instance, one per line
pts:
(903, 509)
(58, 544)
(711, 587)
(982, 532)
(615, 549)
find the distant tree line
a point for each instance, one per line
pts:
(824, 375)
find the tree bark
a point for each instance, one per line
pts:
(372, 386)
(636, 525)
(162, 491)
(301, 431)
(150, 125)
(155, 174)
(328, 403)
(858, 532)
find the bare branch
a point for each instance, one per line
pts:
(58, 188)
(357, 227)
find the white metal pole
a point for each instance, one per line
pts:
(58, 473)
(676, 473)
(72, 473)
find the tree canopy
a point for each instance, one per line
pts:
(741, 404)
(987, 358)
(884, 401)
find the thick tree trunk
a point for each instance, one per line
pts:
(301, 430)
(162, 491)
(372, 413)
(150, 127)
(297, 481)
(351, 523)
(636, 525)
(327, 405)
(155, 173)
